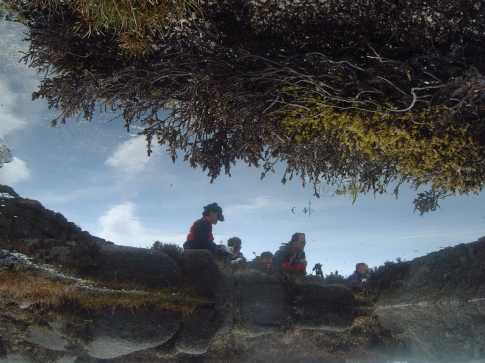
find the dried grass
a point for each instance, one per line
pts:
(45, 292)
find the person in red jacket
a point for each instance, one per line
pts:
(290, 258)
(200, 236)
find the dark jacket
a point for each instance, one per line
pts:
(200, 236)
(285, 261)
(357, 280)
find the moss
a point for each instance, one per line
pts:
(428, 146)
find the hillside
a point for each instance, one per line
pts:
(68, 296)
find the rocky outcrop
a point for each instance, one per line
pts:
(435, 304)
(428, 310)
(22, 218)
(139, 266)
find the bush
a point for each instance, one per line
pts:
(172, 250)
(255, 81)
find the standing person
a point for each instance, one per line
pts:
(290, 258)
(200, 236)
(235, 245)
(318, 270)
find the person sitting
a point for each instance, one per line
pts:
(290, 258)
(200, 236)
(263, 263)
(358, 280)
(266, 262)
(234, 246)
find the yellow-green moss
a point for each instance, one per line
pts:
(428, 146)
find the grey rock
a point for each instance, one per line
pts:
(137, 265)
(9, 259)
(262, 299)
(45, 337)
(200, 269)
(121, 333)
(198, 331)
(67, 359)
(15, 358)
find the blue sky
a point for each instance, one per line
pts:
(99, 177)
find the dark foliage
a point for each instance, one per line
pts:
(84, 257)
(172, 250)
(357, 94)
(388, 276)
(334, 278)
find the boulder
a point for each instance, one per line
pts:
(46, 337)
(262, 299)
(139, 266)
(200, 270)
(198, 331)
(317, 304)
(15, 358)
(120, 333)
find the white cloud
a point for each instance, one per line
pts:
(130, 157)
(9, 121)
(16, 81)
(121, 225)
(14, 172)
(255, 204)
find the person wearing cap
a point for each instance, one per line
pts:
(200, 236)
(290, 258)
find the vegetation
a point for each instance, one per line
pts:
(45, 292)
(334, 278)
(171, 249)
(362, 95)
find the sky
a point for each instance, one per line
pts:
(99, 176)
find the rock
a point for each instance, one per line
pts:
(445, 331)
(6, 190)
(9, 259)
(15, 358)
(22, 218)
(201, 271)
(328, 305)
(47, 338)
(120, 333)
(265, 301)
(137, 265)
(3, 348)
(67, 359)
(262, 300)
(198, 331)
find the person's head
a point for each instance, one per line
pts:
(235, 243)
(213, 213)
(298, 241)
(266, 258)
(362, 268)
